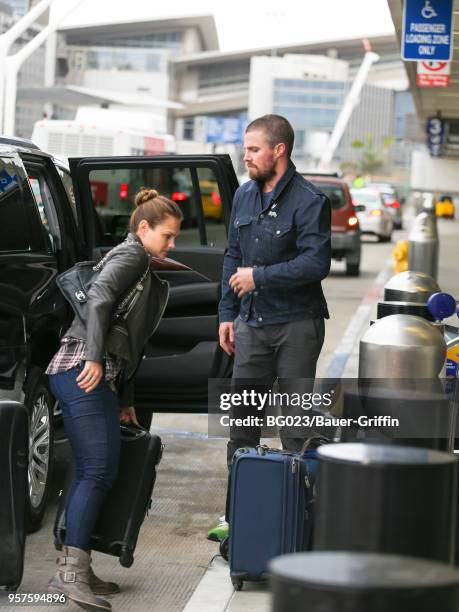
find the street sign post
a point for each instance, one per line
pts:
(427, 30)
(433, 74)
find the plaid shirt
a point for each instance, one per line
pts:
(71, 354)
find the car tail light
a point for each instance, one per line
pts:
(353, 222)
(215, 198)
(124, 189)
(178, 196)
(376, 212)
(392, 203)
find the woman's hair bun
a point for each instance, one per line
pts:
(144, 195)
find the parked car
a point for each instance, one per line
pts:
(391, 201)
(52, 216)
(444, 207)
(374, 218)
(345, 239)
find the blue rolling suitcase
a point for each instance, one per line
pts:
(271, 506)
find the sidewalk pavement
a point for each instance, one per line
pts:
(215, 592)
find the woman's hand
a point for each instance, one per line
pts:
(128, 416)
(90, 376)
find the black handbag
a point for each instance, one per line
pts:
(75, 283)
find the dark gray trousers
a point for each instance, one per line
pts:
(287, 351)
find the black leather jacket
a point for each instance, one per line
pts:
(121, 272)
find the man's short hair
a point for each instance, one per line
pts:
(277, 129)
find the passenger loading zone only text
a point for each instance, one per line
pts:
(427, 35)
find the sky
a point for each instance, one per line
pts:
(245, 24)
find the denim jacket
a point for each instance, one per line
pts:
(288, 247)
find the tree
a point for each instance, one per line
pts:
(371, 158)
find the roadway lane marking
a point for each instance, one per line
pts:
(359, 321)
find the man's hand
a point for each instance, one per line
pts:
(242, 281)
(226, 335)
(128, 416)
(90, 376)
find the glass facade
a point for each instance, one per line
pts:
(20, 7)
(313, 105)
(117, 59)
(309, 105)
(123, 60)
(403, 108)
(157, 40)
(223, 75)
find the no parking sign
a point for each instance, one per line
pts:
(433, 74)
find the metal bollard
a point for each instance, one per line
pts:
(386, 499)
(423, 245)
(358, 582)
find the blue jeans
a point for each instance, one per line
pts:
(92, 425)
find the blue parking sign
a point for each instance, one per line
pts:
(427, 30)
(225, 130)
(6, 180)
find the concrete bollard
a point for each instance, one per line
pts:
(386, 499)
(358, 582)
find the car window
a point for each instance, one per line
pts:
(388, 197)
(197, 195)
(46, 207)
(14, 230)
(334, 193)
(212, 208)
(368, 199)
(68, 186)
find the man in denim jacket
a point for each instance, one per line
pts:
(272, 308)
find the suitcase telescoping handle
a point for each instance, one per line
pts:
(313, 442)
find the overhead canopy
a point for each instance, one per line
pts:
(76, 96)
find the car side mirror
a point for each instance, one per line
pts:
(359, 207)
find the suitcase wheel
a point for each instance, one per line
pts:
(237, 583)
(126, 557)
(224, 548)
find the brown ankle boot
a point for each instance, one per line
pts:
(99, 586)
(72, 579)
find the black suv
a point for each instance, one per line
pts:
(52, 216)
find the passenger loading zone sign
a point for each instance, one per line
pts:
(433, 74)
(427, 30)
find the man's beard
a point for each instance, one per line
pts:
(263, 177)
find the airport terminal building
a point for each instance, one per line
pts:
(174, 69)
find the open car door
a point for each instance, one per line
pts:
(183, 352)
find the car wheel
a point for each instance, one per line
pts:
(39, 404)
(352, 269)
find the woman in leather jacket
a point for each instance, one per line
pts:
(92, 377)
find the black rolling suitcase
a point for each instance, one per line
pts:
(127, 503)
(14, 451)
